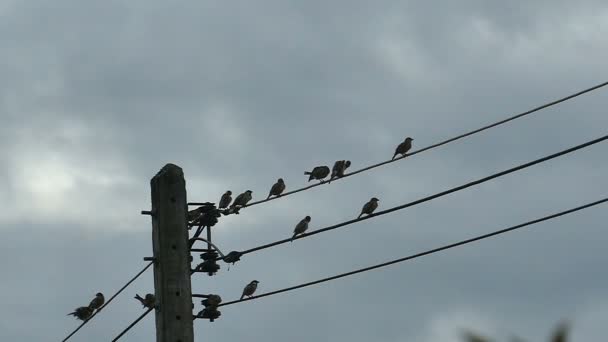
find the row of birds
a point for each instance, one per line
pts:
(85, 312)
(368, 209)
(318, 173)
(302, 226)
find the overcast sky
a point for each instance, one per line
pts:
(96, 96)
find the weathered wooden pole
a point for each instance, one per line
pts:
(171, 252)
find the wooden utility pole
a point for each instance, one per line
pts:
(172, 256)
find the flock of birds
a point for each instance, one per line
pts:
(317, 173)
(83, 313)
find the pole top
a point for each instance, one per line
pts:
(169, 171)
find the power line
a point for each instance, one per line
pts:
(132, 324)
(109, 300)
(428, 198)
(464, 242)
(464, 135)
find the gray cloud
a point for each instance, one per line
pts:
(95, 98)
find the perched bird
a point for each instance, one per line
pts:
(148, 301)
(277, 188)
(82, 313)
(249, 290)
(405, 146)
(338, 170)
(301, 227)
(369, 207)
(225, 200)
(242, 199)
(97, 302)
(318, 172)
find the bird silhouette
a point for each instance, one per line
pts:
(82, 313)
(338, 170)
(318, 172)
(249, 290)
(402, 149)
(148, 301)
(97, 302)
(242, 199)
(277, 188)
(369, 207)
(301, 227)
(225, 200)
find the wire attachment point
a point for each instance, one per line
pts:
(232, 257)
(209, 265)
(211, 302)
(149, 212)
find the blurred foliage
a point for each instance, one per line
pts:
(560, 334)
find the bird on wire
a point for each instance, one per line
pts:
(369, 207)
(338, 170)
(402, 149)
(97, 302)
(318, 173)
(301, 227)
(242, 199)
(277, 188)
(148, 301)
(249, 290)
(225, 200)
(82, 313)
